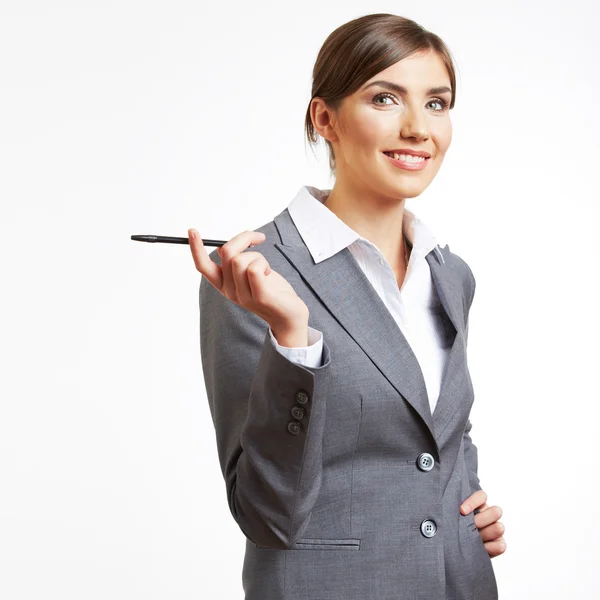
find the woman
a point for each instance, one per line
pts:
(334, 352)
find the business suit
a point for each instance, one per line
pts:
(343, 482)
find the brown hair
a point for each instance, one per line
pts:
(361, 48)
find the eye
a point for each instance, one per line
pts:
(440, 101)
(382, 95)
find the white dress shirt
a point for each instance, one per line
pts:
(415, 306)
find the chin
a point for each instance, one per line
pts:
(412, 191)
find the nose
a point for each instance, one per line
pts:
(414, 124)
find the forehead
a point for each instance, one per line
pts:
(417, 72)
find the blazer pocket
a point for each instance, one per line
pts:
(470, 521)
(327, 544)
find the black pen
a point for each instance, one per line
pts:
(166, 239)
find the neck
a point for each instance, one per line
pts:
(377, 218)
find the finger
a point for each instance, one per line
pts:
(245, 266)
(492, 532)
(240, 242)
(207, 267)
(234, 246)
(480, 508)
(495, 548)
(473, 501)
(488, 516)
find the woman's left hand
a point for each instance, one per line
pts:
(486, 521)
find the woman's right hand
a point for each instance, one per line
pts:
(247, 279)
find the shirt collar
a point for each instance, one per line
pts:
(325, 234)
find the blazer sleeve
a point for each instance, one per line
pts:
(470, 450)
(471, 458)
(271, 459)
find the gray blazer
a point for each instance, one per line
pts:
(344, 484)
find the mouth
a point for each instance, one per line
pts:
(406, 161)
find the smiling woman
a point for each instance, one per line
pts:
(336, 375)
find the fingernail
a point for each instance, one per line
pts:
(466, 508)
(192, 234)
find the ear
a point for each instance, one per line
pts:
(323, 119)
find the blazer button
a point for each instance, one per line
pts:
(297, 412)
(302, 397)
(428, 528)
(425, 461)
(294, 427)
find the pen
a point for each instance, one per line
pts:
(166, 239)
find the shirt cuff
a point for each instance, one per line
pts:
(310, 355)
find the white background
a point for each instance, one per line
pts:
(121, 118)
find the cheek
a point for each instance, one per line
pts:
(368, 132)
(442, 136)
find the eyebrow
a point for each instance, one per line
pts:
(402, 90)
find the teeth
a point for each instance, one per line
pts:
(406, 157)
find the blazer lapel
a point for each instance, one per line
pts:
(449, 287)
(349, 296)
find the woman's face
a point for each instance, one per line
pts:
(378, 118)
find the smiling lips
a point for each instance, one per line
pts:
(409, 151)
(409, 162)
